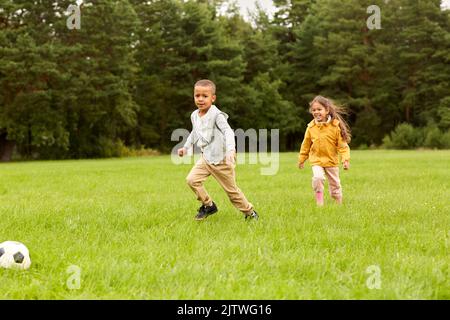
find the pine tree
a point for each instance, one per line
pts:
(182, 42)
(423, 46)
(30, 116)
(101, 64)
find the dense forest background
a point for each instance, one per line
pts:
(123, 81)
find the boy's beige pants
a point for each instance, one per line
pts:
(224, 174)
(332, 174)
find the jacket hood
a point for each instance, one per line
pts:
(334, 122)
(212, 111)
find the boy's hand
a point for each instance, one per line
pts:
(229, 159)
(182, 151)
(301, 165)
(346, 165)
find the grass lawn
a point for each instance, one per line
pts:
(126, 227)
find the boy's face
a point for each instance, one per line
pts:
(203, 97)
(319, 112)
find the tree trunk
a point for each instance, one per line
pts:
(407, 114)
(6, 148)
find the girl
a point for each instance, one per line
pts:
(326, 137)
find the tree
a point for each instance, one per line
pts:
(381, 75)
(422, 33)
(30, 116)
(99, 62)
(180, 43)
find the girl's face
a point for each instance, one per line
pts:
(319, 112)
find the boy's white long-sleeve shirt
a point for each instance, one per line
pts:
(212, 134)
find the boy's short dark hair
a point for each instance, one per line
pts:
(206, 83)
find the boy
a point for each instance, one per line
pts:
(214, 136)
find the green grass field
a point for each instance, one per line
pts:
(128, 225)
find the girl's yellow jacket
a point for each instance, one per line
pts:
(323, 143)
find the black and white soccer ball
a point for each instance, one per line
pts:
(14, 255)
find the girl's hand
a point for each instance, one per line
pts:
(182, 152)
(301, 165)
(346, 165)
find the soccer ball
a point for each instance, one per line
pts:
(14, 255)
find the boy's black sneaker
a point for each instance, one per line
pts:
(205, 211)
(252, 216)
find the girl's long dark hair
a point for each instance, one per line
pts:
(336, 112)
